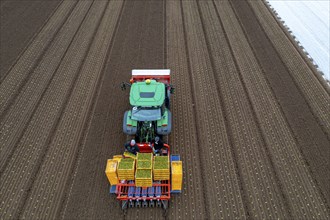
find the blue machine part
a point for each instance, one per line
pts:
(131, 191)
(175, 191)
(113, 189)
(151, 191)
(144, 192)
(175, 157)
(138, 191)
(158, 191)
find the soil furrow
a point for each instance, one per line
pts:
(30, 150)
(19, 74)
(64, 147)
(105, 137)
(28, 18)
(316, 95)
(183, 140)
(89, 124)
(217, 157)
(289, 164)
(262, 194)
(312, 140)
(9, 137)
(194, 110)
(20, 112)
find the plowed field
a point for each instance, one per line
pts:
(251, 115)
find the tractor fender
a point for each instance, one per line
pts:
(129, 130)
(166, 130)
(167, 100)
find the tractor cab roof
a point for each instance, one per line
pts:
(148, 93)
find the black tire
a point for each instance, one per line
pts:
(167, 103)
(137, 204)
(166, 130)
(128, 130)
(145, 204)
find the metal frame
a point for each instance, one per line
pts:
(122, 191)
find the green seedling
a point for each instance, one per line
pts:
(160, 165)
(161, 158)
(130, 155)
(144, 156)
(143, 174)
(144, 165)
(126, 165)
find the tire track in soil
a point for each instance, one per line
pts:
(190, 203)
(63, 148)
(89, 125)
(310, 137)
(260, 186)
(28, 18)
(19, 114)
(138, 49)
(16, 179)
(316, 95)
(303, 198)
(222, 187)
(19, 73)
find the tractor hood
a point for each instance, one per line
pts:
(149, 93)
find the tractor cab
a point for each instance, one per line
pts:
(146, 99)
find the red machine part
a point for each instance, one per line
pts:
(123, 186)
(122, 191)
(163, 79)
(146, 148)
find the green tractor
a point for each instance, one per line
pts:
(150, 115)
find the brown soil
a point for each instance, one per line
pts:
(20, 21)
(253, 134)
(311, 139)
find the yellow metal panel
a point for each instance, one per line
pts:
(117, 158)
(111, 171)
(176, 169)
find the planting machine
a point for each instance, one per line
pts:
(146, 179)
